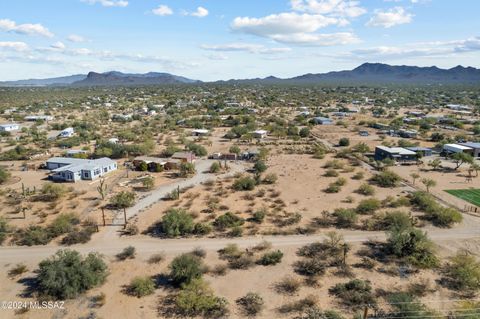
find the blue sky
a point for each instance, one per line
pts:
(223, 39)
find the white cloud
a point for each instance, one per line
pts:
(390, 18)
(16, 46)
(244, 47)
(76, 38)
(318, 39)
(58, 46)
(344, 8)
(295, 28)
(439, 49)
(162, 10)
(27, 28)
(108, 3)
(200, 13)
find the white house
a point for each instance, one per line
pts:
(9, 127)
(34, 118)
(199, 132)
(74, 169)
(260, 134)
(68, 132)
(457, 148)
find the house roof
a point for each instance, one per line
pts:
(396, 150)
(9, 124)
(458, 146)
(77, 164)
(416, 149)
(471, 145)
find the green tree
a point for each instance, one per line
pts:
(141, 286)
(234, 149)
(463, 271)
(148, 183)
(428, 182)
(460, 158)
(187, 169)
(67, 274)
(177, 222)
(185, 268)
(123, 199)
(197, 299)
(414, 177)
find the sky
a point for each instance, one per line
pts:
(232, 39)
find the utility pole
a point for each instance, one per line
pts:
(103, 216)
(23, 211)
(125, 218)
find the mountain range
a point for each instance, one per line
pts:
(365, 74)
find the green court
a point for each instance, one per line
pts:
(470, 195)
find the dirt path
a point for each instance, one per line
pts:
(147, 245)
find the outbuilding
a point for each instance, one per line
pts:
(399, 154)
(474, 146)
(9, 127)
(449, 149)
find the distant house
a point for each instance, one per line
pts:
(113, 140)
(322, 120)
(407, 133)
(68, 132)
(221, 156)
(34, 118)
(424, 151)
(474, 146)
(450, 149)
(186, 157)
(74, 169)
(200, 132)
(399, 154)
(152, 162)
(363, 133)
(260, 134)
(9, 127)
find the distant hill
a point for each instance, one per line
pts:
(380, 74)
(123, 79)
(64, 80)
(365, 74)
(377, 73)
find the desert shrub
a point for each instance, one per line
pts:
(32, 235)
(258, 216)
(331, 173)
(335, 164)
(259, 167)
(127, 253)
(413, 245)
(344, 141)
(156, 258)
(197, 299)
(220, 270)
(202, 229)
(62, 224)
(78, 236)
(386, 179)
(186, 169)
(437, 214)
(185, 268)
(270, 178)
(177, 222)
(358, 175)
(4, 229)
(366, 189)
(251, 304)
(228, 220)
(131, 230)
(271, 258)
(123, 200)
(141, 287)
(288, 285)
(17, 270)
(368, 206)
(230, 251)
(463, 271)
(245, 183)
(354, 293)
(51, 192)
(198, 150)
(299, 305)
(236, 231)
(404, 305)
(345, 217)
(310, 267)
(4, 175)
(244, 261)
(215, 168)
(67, 274)
(199, 252)
(332, 188)
(397, 220)
(148, 183)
